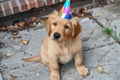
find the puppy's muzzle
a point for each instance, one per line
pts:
(56, 36)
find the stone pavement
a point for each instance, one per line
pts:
(99, 50)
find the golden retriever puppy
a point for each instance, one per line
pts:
(61, 45)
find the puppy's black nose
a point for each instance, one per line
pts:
(56, 35)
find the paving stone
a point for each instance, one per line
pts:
(97, 38)
(1, 77)
(107, 17)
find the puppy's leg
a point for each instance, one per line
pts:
(54, 68)
(83, 71)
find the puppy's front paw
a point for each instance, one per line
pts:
(55, 76)
(83, 71)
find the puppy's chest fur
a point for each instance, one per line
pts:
(67, 53)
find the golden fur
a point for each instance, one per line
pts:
(63, 49)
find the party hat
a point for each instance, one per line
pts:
(65, 10)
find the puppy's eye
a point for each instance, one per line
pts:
(66, 26)
(55, 24)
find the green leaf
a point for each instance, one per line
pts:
(107, 31)
(112, 32)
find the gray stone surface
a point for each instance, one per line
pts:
(0, 76)
(97, 38)
(108, 15)
(98, 50)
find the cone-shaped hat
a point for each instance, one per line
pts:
(65, 10)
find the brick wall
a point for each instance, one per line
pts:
(15, 6)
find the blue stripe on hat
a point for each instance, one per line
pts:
(68, 16)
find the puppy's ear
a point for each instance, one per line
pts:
(48, 29)
(51, 17)
(76, 27)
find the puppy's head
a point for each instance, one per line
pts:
(60, 29)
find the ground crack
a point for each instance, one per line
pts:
(99, 46)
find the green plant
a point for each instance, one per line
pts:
(113, 33)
